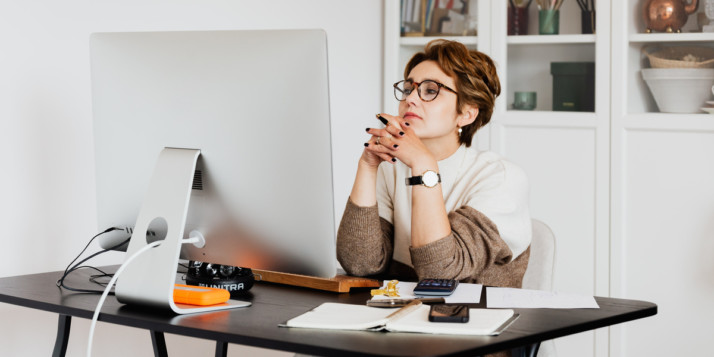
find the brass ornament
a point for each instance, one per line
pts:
(667, 15)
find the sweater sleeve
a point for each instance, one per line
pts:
(472, 250)
(364, 241)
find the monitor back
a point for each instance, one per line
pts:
(256, 104)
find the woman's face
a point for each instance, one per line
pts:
(438, 118)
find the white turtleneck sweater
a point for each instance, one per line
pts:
(482, 180)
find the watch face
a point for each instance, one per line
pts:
(430, 179)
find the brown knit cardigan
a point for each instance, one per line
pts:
(473, 253)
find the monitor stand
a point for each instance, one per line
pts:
(149, 279)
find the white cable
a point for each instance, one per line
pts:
(113, 280)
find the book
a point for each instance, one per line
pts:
(410, 318)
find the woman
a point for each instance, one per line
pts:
(424, 203)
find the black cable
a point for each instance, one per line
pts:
(110, 229)
(93, 278)
(64, 286)
(60, 282)
(70, 268)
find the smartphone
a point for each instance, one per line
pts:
(449, 313)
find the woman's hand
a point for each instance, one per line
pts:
(378, 148)
(398, 140)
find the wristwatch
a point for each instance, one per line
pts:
(428, 179)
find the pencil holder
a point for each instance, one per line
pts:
(517, 20)
(587, 19)
(548, 22)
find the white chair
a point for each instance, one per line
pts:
(539, 274)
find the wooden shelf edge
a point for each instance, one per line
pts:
(672, 37)
(550, 39)
(338, 283)
(695, 122)
(421, 41)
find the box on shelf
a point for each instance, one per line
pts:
(573, 86)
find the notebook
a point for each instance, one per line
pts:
(410, 318)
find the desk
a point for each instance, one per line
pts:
(273, 304)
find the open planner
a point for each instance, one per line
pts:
(410, 318)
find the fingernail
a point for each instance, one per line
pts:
(401, 133)
(367, 130)
(395, 146)
(366, 144)
(406, 123)
(381, 118)
(394, 159)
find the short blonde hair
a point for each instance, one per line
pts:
(475, 76)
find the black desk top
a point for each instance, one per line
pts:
(273, 304)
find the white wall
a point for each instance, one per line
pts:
(47, 207)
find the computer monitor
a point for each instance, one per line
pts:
(256, 105)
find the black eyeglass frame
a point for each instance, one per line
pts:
(418, 84)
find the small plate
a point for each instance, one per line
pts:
(708, 110)
(710, 102)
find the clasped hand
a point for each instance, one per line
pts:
(396, 140)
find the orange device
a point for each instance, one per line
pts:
(199, 295)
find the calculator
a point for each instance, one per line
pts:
(436, 287)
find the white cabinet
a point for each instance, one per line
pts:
(662, 202)
(628, 191)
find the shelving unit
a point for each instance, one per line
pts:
(661, 179)
(566, 154)
(569, 187)
(627, 190)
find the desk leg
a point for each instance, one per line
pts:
(532, 350)
(63, 325)
(221, 349)
(159, 343)
(526, 351)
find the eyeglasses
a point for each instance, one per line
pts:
(427, 90)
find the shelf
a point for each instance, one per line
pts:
(549, 39)
(672, 37)
(670, 122)
(525, 118)
(421, 41)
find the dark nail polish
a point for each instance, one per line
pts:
(407, 124)
(367, 130)
(401, 133)
(394, 159)
(395, 146)
(381, 118)
(366, 144)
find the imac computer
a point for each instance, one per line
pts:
(221, 135)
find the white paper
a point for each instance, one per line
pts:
(524, 298)
(464, 294)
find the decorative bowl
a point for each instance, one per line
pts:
(679, 90)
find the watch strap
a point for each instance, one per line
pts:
(417, 180)
(414, 180)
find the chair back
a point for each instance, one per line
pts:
(541, 264)
(539, 274)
